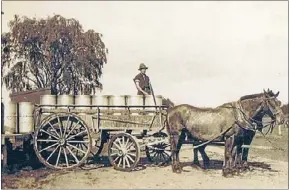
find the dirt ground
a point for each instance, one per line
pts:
(264, 173)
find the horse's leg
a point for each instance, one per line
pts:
(233, 160)
(227, 156)
(179, 142)
(196, 159)
(238, 158)
(233, 152)
(174, 148)
(173, 152)
(247, 141)
(237, 153)
(205, 157)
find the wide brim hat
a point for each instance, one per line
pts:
(142, 66)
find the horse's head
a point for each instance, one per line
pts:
(272, 106)
(258, 105)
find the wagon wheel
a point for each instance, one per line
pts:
(159, 153)
(123, 152)
(62, 141)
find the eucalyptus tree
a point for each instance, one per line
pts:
(55, 53)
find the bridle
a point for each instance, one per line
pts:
(255, 121)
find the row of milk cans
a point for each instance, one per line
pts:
(18, 117)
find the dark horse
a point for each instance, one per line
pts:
(208, 125)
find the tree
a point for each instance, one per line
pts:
(285, 109)
(54, 52)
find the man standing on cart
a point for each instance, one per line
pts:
(142, 81)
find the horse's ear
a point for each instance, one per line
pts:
(277, 94)
(264, 91)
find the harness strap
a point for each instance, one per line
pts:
(277, 148)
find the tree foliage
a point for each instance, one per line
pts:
(285, 109)
(53, 52)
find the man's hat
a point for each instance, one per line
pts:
(142, 66)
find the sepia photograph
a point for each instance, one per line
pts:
(144, 94)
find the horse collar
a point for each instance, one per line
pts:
(252, 125)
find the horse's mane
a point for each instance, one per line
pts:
(228, 104)
(246, 97)
(251, 96)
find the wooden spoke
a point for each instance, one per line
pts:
(52, 153)
(48, 147)
(76, 148)
(76, 135)
(46, 140)
(48, 134)
(66, 125)
(53, 129)
(78, 142)
(58, 157)
(65, 155)
(60, 126)
(72, 129)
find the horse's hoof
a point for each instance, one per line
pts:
(238, 170)
(226, 172)
(234, 171)
(245, 169)
(177, 168)
(206, 163)
(238, 173)
(173, 169)
(198, 167)
(178, 171)
(206, 166)
(196, 163)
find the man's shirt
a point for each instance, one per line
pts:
(143, 83)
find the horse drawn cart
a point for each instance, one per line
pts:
(66, 133)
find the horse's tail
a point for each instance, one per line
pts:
(166, 123)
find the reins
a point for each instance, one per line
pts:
(275, 147)
(271, 124)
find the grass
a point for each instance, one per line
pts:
(277, 141)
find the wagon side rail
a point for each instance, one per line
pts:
(102, 106)
(106, 113)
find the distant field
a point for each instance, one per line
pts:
(278, 141)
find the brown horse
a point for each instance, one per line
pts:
(207, 125)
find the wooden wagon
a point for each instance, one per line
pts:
(64, 137)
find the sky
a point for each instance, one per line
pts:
(199, 53)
